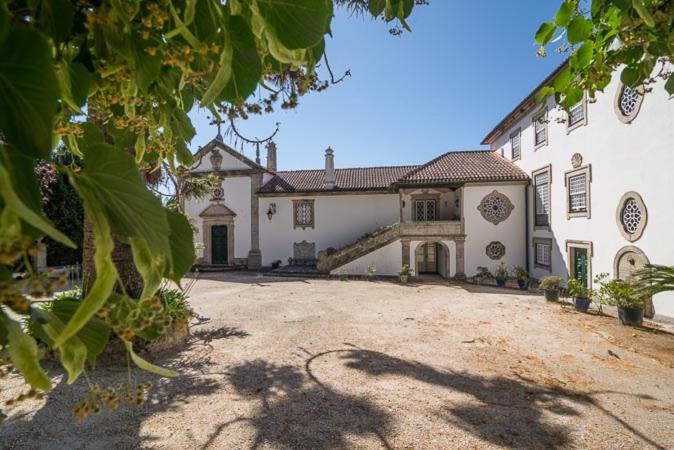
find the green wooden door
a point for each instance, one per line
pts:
(580, 265)
(219, 244)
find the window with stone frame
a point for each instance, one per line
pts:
(628, 102)
(303, 213)
(516, 145)
(577, 115)
(540, 129)
(542, 197)
(542, 253)
(578, 192)
(425, 210)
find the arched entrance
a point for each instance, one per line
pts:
(628, 260)
(432, 258)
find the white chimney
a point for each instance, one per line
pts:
(329, 169)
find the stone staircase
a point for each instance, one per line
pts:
(331, 259)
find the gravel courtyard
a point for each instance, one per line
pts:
(323, 364)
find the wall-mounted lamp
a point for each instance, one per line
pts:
(271, 210)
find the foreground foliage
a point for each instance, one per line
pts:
(113, 81)
(601, 36)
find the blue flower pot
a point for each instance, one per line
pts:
(523, 284)
(551, 296)
(631, 316)
(582, 304)
(500, 282)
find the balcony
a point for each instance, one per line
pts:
(437, 228)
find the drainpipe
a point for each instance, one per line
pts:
(526, 225)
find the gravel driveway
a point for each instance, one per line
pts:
(323, 364)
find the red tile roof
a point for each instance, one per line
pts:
(452, 167)
(355, 179)
(465, 166)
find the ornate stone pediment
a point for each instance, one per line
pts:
(217, 210)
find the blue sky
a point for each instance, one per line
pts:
(442, 87)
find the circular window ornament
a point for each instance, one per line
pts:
(495, 207)
(218, 193)
(495, 250)
(628, 102)
(631, 216)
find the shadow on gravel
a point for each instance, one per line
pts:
(296, 414)
(53, 425)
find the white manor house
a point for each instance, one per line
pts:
(568, 193)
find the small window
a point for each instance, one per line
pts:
(425, 210)
(542, 197)
(542, 253)
(515, 145)
(303, 213)
(577, 116)
(540, 129)
(631, 216)
(628, 102)
(578, 192)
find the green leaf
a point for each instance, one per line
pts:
(182, 125)
(630, 76)
(14, 203)
(246, 65)
(183, 154)
(110, 177)
(94, 334)
(299, 24)
(563, 80)
(146, 67)
(75, 82)
(669, 86)
(149, 265)
(23, 353)
(583, 56)
(573, 96)
(72, 353)
(564, 14)
(106, 273)
(4, 21)
(376, 7)
(579, 29)
(222, 76)
(140, 362)
(29, 92)
(544, 33)
(182, 246)
(643, 12)
(56, 19)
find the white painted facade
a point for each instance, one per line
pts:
(636, 156)
(618, 156)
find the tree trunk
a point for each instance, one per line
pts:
(122, 258)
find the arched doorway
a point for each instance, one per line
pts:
(628, 260)
(432, 258)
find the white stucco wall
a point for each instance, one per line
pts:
(339, 220)
(480, 232)
(237, 198)
(229, 162)
(624, 157)
(387, 260)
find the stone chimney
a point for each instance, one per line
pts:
(329, 169)
(271, 156)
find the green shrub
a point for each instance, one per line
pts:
(521, 273)
(501, 272)
(618, 293)
(576, 288)
(550, 283)
(405, 270)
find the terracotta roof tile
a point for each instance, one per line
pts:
(465, 166)
(354, 179)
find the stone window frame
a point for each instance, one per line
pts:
(296, 204)
(535, 118)
(425, 196)
(547, 168)
(589, 246)
(516, 133)
(632, 237)
(535, 242)
(616, 104)
(581, 123)
(587, 171)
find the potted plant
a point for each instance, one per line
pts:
(276, 264)
(582, 296)
(501, 275)
(404, 273)
(522, 277)
(625, 296)
(482, 274)
(550, 286)
(371, 273)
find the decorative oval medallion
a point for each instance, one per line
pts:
(576, 160)
(495, 250)
(495, 207)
